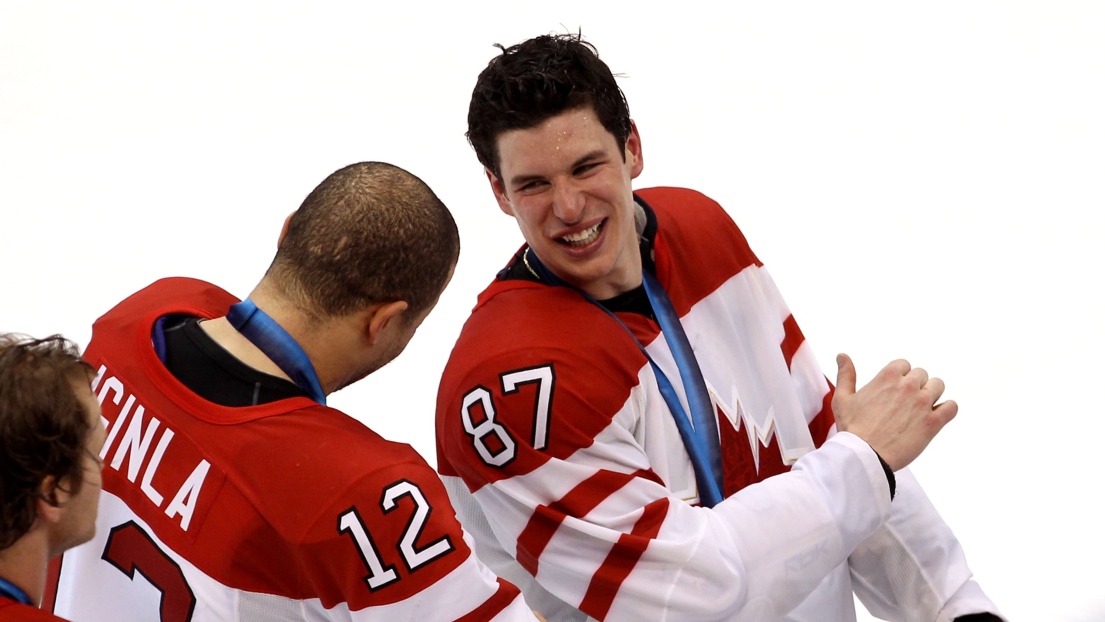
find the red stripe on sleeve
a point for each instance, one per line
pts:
(792, 339)
(579, 501)
(621, 559)
(536, 535)
(492, 606)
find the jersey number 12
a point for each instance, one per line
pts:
(379, 575)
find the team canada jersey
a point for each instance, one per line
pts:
(283, 511)
(566, 464)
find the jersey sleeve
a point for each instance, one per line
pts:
(390, 547)
(913, 567)
(589, 520)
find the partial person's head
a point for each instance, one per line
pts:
(370, 235)
(51, 434)
(552, 129)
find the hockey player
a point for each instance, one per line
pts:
(631, 422)
(232, 492)
(50, 435)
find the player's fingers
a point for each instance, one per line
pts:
(919, 376)
(898, 367)
(946, 411)
(845, 375)
(934, 388)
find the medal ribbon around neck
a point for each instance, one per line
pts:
(271, 338)
(13, 592)
(699, 432)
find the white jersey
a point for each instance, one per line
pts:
(565, 462)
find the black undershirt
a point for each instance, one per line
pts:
(214, 374)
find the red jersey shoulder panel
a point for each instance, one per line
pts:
(699, 232)
(525, 341)
(403, 511)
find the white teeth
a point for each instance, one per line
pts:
(583, 238)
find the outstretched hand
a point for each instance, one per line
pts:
(896, 413)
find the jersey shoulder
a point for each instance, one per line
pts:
(371, 502)
(687, 218)
(698, 246)
(171, 295)
(536, 374)
(296, 464)
(524, 326)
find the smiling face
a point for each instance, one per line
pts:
(569, 187)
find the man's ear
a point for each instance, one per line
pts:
(51, 500)
(284, 230)
(634, 155)
(381, 315)
(499, 190)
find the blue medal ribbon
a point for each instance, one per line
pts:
(699, 432)
(703, 415)
(271, 338)
(12, 591)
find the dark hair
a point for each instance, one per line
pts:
(370, 232)
(43, 425)
(539, 79)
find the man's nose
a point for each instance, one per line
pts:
(568, 202)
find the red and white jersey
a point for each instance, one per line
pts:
(283, 511)
(565, 462)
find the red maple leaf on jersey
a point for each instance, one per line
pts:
(743, 463)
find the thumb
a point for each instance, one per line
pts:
(845, 375)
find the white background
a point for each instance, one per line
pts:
(924, 181)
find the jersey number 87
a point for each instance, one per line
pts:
(482, 429)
